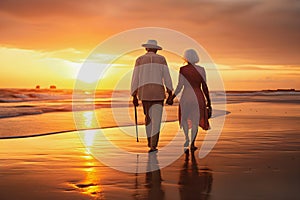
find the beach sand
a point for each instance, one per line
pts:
(256, 157)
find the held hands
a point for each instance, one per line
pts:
(170, 99)
(135, 101)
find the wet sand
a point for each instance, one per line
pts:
(256, 157)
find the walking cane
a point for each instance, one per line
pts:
(136, 124)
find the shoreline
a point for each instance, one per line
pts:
(256, 157)
(217, 113)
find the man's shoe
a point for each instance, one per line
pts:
(153, 150)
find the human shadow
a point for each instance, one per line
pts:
(153, 179)
(194, 183)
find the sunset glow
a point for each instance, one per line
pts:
(46, 42)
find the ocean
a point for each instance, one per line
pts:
(33, 112)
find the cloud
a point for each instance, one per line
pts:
(70, 54)
(45, 8)
(264, 67)
(258, 32)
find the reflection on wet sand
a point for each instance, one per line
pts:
(153, 179)
(91, 184)
(194, 183)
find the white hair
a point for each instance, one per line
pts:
(191, 56)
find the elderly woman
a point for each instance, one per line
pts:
(194, 101)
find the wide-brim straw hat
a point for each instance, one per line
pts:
(151, 44)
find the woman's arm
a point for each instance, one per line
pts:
(204, 86)
(179, 85)
(206, 93)
(178, 88)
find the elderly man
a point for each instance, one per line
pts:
(150, 80)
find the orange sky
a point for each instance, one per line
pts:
(255, 43)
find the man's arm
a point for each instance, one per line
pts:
(135, 83)
(168, 82)
(135, 79)
(166, 77)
